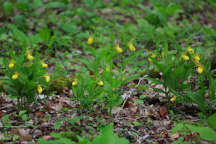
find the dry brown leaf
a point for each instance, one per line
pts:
(47, 137)
(39, 114)
(134, 109)
(163, 111)
(174, 136)
(57, 107)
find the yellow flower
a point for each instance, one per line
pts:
(47, 78)
(44, 65)
(153, 55)
(15, 76)
(190, 50)
(75, 82)
(196, 59)
(149, 59)
(162, 54)
(131, 47)
(39, 89)
(90, 40)
(185, 57)
(11, 64)
(118, 49)
(100, 83)
(200, 69)
(30, 57)
(173, 99)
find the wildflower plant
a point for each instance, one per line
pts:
(86, 90)
(25, 77)
(177, 69)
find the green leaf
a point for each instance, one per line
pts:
(173, 8)
(108, 137)
(154, 80)
(212, 121)
(56, 5)
(178, 127)
(57, 125)
(7, 7)
(22, 112)
(205, 132)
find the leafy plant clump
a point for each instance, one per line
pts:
(106, 136)
(25, 77)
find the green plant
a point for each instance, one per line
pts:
(205, 129)
(86, 90)
(159, 16)
(6, 121)
(23, 115)
(25, 76)
(106, 136)
(176, 69)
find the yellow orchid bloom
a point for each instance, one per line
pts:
(185, 57)
(100, 83)
(190, 50)
(90, 40)
(75, 82)
(131, 47)
(44, 65)
(118, 49)
(11, 64)
(39, 89)
(47, 78)
(15, 76)
(30, 57)
(196, 59)
(173, 99)
(200, 69)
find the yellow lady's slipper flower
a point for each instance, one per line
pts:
(190, 50)
(162, 54)
(131, 47)
(153, 55)
(30, 57)
(100, 83)
(173, 99)
(39, 89)
(75, 82)
(47, 78)
(200, 69)
(196, 58)
(44, 65)
(15, 76)
(90, 40)
(149, 59)
(118, 49)
(11, 64)
(185, 57)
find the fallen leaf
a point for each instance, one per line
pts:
(47, 137)
(134, 109)
(174, 136)
(1, 114)
(57, 107)
(39, 114)
(163, 112)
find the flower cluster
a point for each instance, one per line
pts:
(131, 47)
(30, 58)
(195, 58)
